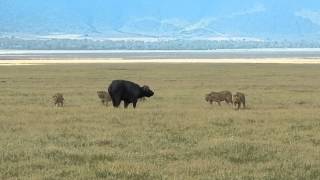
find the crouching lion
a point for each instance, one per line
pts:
(219, 96)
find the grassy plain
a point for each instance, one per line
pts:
(173, 135)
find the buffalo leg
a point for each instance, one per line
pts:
(116, 101)
(134, 103)
(126, 104)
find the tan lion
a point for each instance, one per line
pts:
(218, 97)
(238, 99)
(58, 99)
(104, 97)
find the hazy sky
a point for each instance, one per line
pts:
(226, 16)
(186, 9)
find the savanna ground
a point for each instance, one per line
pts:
(173, 135)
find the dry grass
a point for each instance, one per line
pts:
(174, 135)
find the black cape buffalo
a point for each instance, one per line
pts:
(127, 91)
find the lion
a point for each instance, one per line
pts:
(219, 96)
(58, 99)
(104, 97)
(238, 99)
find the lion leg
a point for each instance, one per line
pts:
(230, 100)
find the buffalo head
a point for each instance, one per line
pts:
(147, 91)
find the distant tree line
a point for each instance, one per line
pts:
(88, 44)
